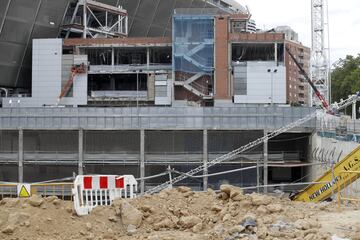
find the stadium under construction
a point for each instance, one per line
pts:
(139, 87)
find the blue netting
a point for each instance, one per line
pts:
(193, 44)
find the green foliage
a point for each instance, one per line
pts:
(345, 78)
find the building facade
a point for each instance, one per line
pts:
(208, 61)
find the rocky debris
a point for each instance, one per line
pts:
(88, 226)
(8, 230)
(302, 224)
(164, 224)
(189, 221)
(112, 218)
(130, 215)
(35, 200)
(257, 199)
(178, 213)
(10, 202)
(216, 208)
(131, 230)
(274, 208)
(183, 189)
(232, 192)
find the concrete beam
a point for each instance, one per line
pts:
(205, 158)
(142, 160)
(21, 156)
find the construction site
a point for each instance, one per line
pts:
(171, 119)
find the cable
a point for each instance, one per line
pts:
(241, 169)
(153, 176)
(283, 185)
(288, 139)
(214, 174)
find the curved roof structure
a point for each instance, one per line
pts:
(21, 21)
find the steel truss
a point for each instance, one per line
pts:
(97, 20)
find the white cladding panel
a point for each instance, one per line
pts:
(46, 71)
(262, 86)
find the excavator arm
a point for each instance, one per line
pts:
(327, 184)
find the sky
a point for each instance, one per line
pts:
(344, 21)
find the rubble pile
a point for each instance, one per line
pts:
(172, 214)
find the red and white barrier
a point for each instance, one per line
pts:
(96, 190)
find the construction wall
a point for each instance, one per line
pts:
(222, 84)
(327, 150)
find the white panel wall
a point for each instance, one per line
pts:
(46, 71)
(262, 85)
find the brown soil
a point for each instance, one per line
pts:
(179, 214)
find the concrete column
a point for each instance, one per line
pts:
(205, 158)
(142, 160)
(21, 156)
(81, 152)
(353, 116)
(112, 57)
(85, 20)
(265, 163)
(147, 58)
(258, 175)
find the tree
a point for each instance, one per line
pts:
(345, 78)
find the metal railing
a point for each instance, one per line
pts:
(61, 190)
(8, 190)
(126, 157)
(348, 187)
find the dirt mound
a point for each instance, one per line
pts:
(173, 214)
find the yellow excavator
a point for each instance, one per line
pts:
(333, 180)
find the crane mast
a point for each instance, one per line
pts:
(320, 51)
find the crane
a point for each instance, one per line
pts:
(322, 99)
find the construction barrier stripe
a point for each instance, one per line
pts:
(119, 182)
(103, 182)
(93, 190)
(87, 182)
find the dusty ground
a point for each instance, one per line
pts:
(179, 214)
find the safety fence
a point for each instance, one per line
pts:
(60, 189)
(8, 190)
(348, 188)
(91, 191)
